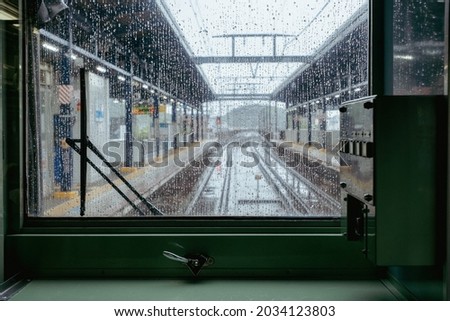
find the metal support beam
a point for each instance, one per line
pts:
(250, 59)
(233, 38)
(243, 97)
(128, 122)
(202, 120)
(156, 124)
(197, 125)
(64, 125)
(191, 134)
(184, 125)
(174, 125)
(310, 123)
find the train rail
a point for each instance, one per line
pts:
(257, 183)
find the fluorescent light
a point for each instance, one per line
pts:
(121, 78)
(145, 86)
(152, 91)
(6, 14)
(404, 57)
(328, 99)
(337, 96)
(71, 55)
(101, 69)
(50, 47)
(357, 90)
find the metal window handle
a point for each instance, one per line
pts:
(174, 257)
(195, 262)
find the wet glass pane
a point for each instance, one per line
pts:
(419, 47)
(193, 108)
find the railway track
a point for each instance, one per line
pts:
(267, 188)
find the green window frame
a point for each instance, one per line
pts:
(240, 247)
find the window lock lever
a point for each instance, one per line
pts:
(195, 263)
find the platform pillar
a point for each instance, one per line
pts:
(174, 125)
(156, 102)
(63, 125)
(185, 125)
(197, 125)
(128, 122)
(202, 121)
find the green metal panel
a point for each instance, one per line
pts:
(236, 255)
(408, 189)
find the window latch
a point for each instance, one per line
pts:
(195, 263)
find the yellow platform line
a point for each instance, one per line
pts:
(65, 195)
(62, 209)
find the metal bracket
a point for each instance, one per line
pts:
(195, 262)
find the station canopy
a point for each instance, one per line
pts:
(249, 48)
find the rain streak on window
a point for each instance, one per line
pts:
(193, 107)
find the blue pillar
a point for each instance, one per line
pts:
(128, 122)
(63, 123)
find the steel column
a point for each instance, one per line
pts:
(184, 125)
(174, 125)
(202, 120)
(64, 125)
(197, 125)
(128, 122)
(191, 134)
(310, 123)
(156, 124)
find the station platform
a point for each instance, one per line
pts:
(145, 180)
(326, 157)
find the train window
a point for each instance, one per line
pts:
(418, 48)
(201, 108)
